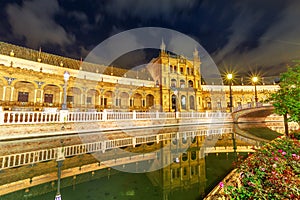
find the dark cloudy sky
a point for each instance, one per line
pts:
(249, 35)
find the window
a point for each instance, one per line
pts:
(89, 100)
(70, 99)
(181, 70)
(23, 96)
(192, 103)
(118, 102)
(183, 102)
(48, 98)
(104, 101)
(219, 104)
(173, 83)
(209, 105)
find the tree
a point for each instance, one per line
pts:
(287, 99)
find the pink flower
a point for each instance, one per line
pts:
(283, 153)
(276, 158)
(279, 151)
(294, 155)
(221, 184)
(274, 165)
(263, 169)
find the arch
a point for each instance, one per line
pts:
(182, 83)
(124, 96)
(149, 100)
(173, 83)
(192, 102)
(137, 100)
(51, 95)
(24, 92)
(2, 84)
(183, 102)
(74, 96)
(92, 97)
(108, 99)
(174, 102)
(190, 83)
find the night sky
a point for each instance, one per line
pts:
(245, 36)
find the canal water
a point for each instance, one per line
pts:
(186, 168)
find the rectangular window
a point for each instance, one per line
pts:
(89, 100)
(118, 102)
(181, 70)
(23, 96)
(70, 99)
(219, 104)
(48, 98)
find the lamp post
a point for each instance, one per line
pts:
(255, 80)
(66, 78)
(60, 159)
(229, 78)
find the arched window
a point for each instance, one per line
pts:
(191, 84)
(192, 103)
(182, 84)
(183, 102)
(173, 83)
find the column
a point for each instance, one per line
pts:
(11, 93)
(34, 99)
(60, 97)
(4, 91)
(42, 96)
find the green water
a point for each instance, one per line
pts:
(113, 184)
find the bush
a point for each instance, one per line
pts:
(272, 172)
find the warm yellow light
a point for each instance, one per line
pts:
(229, 76)
(254, 79)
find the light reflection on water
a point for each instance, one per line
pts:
(191, 174)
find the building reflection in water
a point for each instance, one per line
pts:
(176, 164)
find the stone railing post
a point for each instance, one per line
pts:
(177, 115)
(104, 115)
(157, 115)
(1, 115)
(63, 116)
(134, 114)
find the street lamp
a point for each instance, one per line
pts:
(60, 159)
(255, 80)
(66, 78)
(229, 78)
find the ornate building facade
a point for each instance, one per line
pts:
(34, 80)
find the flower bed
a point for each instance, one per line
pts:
(272, 172)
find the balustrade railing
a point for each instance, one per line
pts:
(28, 158)
(29, 117)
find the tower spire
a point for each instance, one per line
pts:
(162, 46)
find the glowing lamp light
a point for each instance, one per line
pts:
(229, 76)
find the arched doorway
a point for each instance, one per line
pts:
(124, 100)
(74, 97)
(137, 101)
(51, 95)
(24, 92)
(92, 98)
(149, 101)
(174, 102)
(108, 99)
(192, 103)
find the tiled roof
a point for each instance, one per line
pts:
(51, 59)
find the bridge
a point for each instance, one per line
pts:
(250, 113)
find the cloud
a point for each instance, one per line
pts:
(276, 46)
(167, 9)
(34, 21)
